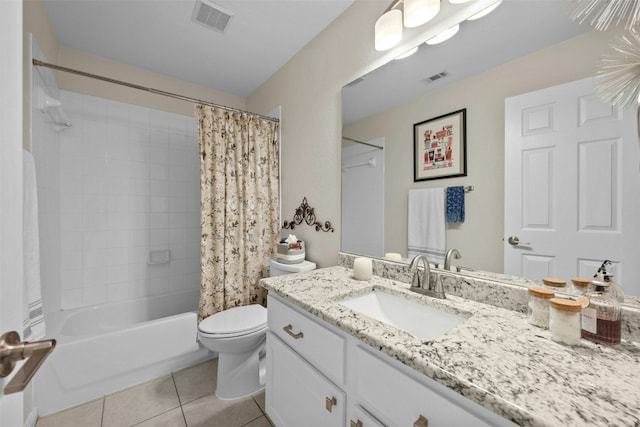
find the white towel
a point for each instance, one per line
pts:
(34, 328)
(426, 224)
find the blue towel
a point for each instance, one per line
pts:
(455, 204)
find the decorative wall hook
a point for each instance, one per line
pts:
(306, 213)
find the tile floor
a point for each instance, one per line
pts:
(182, 399)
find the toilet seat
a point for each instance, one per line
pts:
(235, 322)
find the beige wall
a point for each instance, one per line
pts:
(308, 89)
(36, 22)
(479, 238)
(116, 70)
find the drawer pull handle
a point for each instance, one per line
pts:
(355, 423)
(329, 403)
(297, 336)
(421, 422)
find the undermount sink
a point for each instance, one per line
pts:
(421, 321)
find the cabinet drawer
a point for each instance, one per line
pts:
(359, 417)
(321, 347)
(397, 399)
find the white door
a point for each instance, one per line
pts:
(10, 190)
(363, 199)
(572, 185)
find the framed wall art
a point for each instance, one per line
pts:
(440, 147)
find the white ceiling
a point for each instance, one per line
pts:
(514, 29)
(263, 35)
(159, 35)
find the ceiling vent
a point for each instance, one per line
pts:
(435, 77)
(211, 15)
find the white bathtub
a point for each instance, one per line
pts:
(107, 348)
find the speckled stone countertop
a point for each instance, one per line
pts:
(495, 357)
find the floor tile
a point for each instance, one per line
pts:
(209, 411)
(172, 418)
(260, 422)
(139, 403)
(86, 415)
(197, 381)
(259, 398)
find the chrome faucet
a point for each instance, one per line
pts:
(422, 283)
(447, 258)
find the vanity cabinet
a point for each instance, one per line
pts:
(297, 394)
(305, 361)
(320, 376)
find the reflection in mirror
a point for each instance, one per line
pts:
(523, 46)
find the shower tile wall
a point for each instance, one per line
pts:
(45, 147)
(129, 184)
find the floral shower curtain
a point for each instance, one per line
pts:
(239, 204)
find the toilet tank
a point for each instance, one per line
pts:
(278, 269)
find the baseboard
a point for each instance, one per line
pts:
(32, 419)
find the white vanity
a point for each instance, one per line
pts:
(328, 365)
(320, 376)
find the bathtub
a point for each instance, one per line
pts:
(110, 347)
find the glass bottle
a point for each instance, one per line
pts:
(601, 321)
(538, 307)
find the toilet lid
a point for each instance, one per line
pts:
(236, 320)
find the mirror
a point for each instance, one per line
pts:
(487, 61)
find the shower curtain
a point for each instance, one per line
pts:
(239, 202)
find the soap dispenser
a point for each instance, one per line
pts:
(601, 321)
(602, 275)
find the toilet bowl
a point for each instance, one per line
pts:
(238, 336)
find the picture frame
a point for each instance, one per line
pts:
(440, 147)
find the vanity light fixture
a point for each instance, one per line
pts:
(485, 11)
(418, 12)
(407, 53)
(413, 13)
(443, 36)
(388, 30)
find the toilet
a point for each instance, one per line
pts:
(238, 335)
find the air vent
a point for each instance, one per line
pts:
(435, 77)
(212, 15)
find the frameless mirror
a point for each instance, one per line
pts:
(515, 29)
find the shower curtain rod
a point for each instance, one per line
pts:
(39, 63)
(362, 142)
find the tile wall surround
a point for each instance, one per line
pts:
(45, 147)
(511, 296)
(128, 184)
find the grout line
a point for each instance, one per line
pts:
(104, 402)
(184, 418)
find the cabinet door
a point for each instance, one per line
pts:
(297, 394)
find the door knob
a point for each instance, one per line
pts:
(13, 350)
(515, 241)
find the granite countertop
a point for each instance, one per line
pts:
(495, 357)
